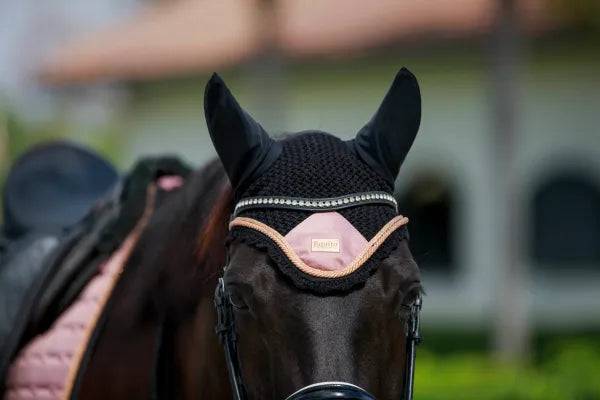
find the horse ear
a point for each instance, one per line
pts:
(243, 146)
(385, 140)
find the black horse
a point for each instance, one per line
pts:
(289, 319)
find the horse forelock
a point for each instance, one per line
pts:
(210, 251)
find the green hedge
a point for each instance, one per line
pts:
(571, 372)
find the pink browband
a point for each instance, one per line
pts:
(324, 245)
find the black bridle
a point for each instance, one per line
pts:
(225, 329)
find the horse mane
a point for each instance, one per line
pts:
(182, 251)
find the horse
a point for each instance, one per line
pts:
(280, 270)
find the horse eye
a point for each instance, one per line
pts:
(237, 301)
(403, 311)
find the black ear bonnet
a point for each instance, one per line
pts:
(244, 147)
(317, 165)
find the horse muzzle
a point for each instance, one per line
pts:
(331, 390)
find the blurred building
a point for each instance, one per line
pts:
(29, 31)
(328, 66)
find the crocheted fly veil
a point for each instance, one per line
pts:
(321, 207)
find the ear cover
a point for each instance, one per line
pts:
(385, 140)
(244, 147)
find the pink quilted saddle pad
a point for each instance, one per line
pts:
(46, 368)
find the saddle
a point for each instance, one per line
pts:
(66, 210)
(52, 186)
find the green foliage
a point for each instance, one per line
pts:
(570, 372)
(22, 136)
(580, 14)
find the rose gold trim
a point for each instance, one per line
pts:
(372, 246)
(125, 249)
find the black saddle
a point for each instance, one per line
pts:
(52, 186)
(66, 210)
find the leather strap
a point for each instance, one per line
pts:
(225, 329)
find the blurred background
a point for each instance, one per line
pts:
(502, 185)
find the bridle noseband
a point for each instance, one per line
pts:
(225, 325)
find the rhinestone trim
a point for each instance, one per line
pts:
(322, 204)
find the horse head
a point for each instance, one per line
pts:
(319, 286)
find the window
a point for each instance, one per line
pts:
(566, 222)
(429, 204)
